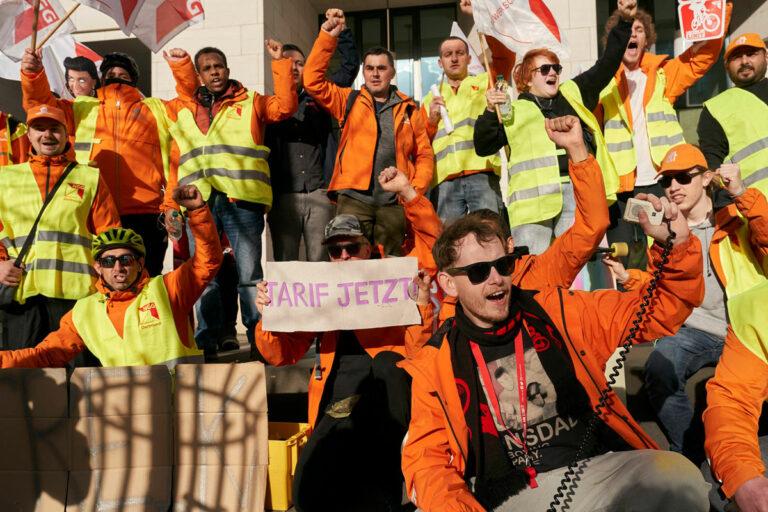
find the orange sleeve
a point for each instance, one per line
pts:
(329, 95)
(561, 262)
(687, 68)
(638, 280)
(753, 205)
(282, 348)
(186, 78)
(431, 128)
(425, 157)
(416, 336)
(432, 482)
(55, 351)
(173, 180)
(186, 283)
(735, 397)
(103, 215)
(284, 102)
(503, 58)
(426, 226)
(35, 90)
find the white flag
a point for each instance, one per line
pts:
(475, 66)
(520, 25)
(161, 20)
(124, 12)
(16, 17)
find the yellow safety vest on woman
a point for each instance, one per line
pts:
(744, 119)
(533, 192)
(664, 130)
(226, 158)
(455, 152)
(149, 331)
(59, 263)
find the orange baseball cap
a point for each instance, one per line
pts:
(682, 157)
(750, 39)
(46, 112)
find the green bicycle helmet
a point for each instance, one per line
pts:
(116, 238)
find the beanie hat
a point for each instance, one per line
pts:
(120, 60)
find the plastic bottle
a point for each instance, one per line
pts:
(505, 108)
(177, 225)
(447, 123)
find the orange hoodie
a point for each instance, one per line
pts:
(184, 285)
(267, 109)
(592, 325)
(357, 146)
(127, 149)
(47, 170)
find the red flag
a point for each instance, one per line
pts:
(16, 17)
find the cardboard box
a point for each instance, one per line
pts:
(220, 488)
(221, 387)
(120, 391)
(33, 491)
(114, 442)
(126, 490)
(219, 438)
(38, 393)
(34, 444)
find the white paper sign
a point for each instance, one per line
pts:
(319, 297)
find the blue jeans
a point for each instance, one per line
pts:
(459, 196)
(538, 237)
(243, 223)
(673, 361)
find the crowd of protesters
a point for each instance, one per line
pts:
(502, 387)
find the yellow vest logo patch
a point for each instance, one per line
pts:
(148, 315)
(74, 192)
(235, 112)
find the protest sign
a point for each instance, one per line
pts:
(320, 297)
(701, 20)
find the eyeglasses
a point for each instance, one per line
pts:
(544, 69)
(352, 249)
(682, 178)
(80, 81)
(479, 272)
(125, 260)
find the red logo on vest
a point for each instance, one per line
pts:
(74, 192)
(148, 315)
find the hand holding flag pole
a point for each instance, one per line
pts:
(491, 80)
(55, 27)
(35, 16)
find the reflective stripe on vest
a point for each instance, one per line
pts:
(455, 152)
(226, 158)
(533, 191)
(747, 319)
(59, 263)
(744, 119)
(149, 330)
(664, 130)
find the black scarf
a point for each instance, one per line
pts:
(496, 478)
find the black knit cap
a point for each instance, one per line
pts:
(120, 60)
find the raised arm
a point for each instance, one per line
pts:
(284, 102)
(55, 351)
(35, 89)
(350, 60)
(184, 73)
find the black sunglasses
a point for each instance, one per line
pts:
(352, 249)
(544, 69)
(682, 178)
(125, 260)
(478, 272)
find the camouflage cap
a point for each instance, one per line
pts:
(342, 225)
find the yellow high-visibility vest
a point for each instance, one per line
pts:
(59, 263)
(7, 138)
(455, 152)
(747, 318)
(744, 119)
(664, 130)
(533, 191)
(226, 158)
(149, 331)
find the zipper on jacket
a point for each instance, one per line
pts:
(448, 420)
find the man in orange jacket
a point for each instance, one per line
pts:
(124, 133)
(504, 394)
(358, 398)
(14, 146)
(55, 271)
(639, 120)
(381, 127)
(133, 318)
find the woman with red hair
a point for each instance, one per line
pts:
(540, 194)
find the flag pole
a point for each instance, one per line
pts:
(35, 16)
(58, 25)
(491, 80)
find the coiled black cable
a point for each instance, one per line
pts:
(572, 476)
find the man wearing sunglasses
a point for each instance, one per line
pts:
(134, 319)
(359, 400)
(736, 238)
(475, 445)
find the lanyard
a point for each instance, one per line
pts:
(522, 394)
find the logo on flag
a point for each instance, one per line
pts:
(74, 192)
(701, 20)
(148, 315)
